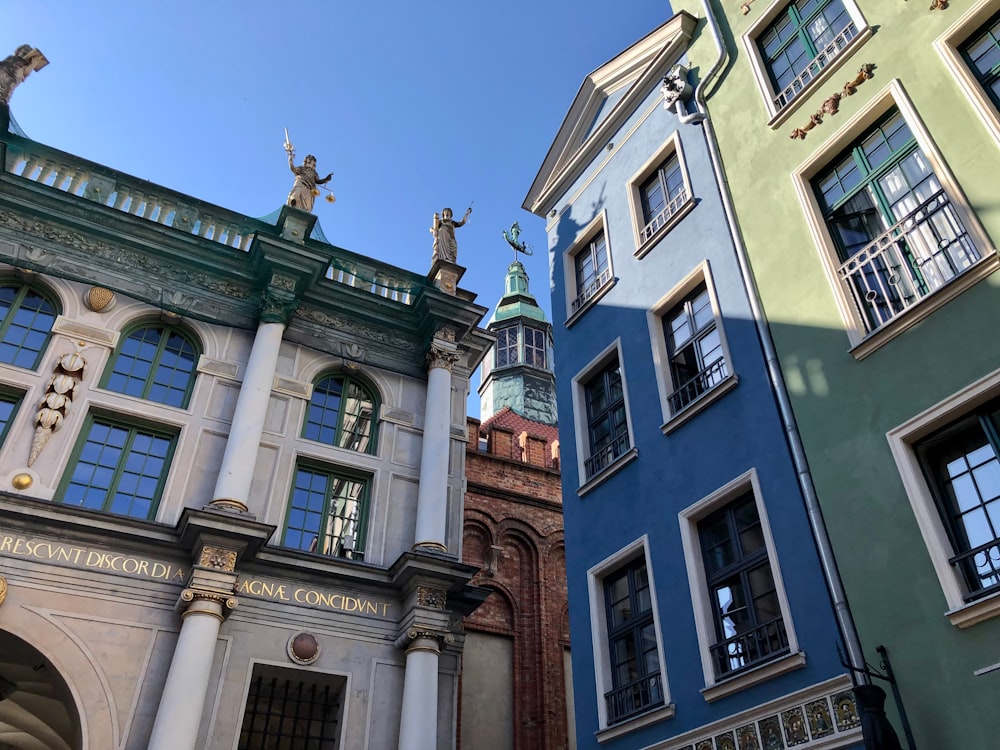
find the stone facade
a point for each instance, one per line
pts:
(238, 501)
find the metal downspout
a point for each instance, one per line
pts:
(842, 611)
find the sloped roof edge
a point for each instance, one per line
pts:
(573, 148)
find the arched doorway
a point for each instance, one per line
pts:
(37, 711)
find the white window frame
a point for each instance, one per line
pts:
(777, 115)
(925, 509)
(603, 678)
(704, 608)
(661, 356)
(893, 95)
(685, 202)
(582, 432)
(948, 45)
(598, 225)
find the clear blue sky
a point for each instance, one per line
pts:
(413, 106)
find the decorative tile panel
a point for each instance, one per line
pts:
(794, 723)
(820, 718)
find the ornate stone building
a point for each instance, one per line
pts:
(231, 475)
(515, 666)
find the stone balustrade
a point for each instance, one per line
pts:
(131, 195)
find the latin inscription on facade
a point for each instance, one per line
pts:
(84, 557)
(260, 588)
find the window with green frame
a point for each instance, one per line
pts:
(327, 512)
(9, 402)
(342, 413)
(118, 467)
(982, 53)
(155, 362)
(801, 41)
(26, 318)
(897, 233)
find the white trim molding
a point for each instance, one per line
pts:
(863, 343)
(704, 608)
(665, 384)
(925, 510)
(776, 113)
(948, 45)
(674, 210)
(603, 678)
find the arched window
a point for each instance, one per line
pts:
(26, 318)
(342, 413)
(156, 362)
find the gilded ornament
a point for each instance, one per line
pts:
(3, 589)
(218, 558)
(99, 299)
(433, 598)
(21, 481)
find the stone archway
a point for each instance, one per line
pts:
(37, 711)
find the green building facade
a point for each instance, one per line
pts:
(859, 139)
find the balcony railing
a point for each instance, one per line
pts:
(603, 279)
(704, 381)
(664, 216)
(911, 259)
(980, 567)
(634, 698)
(814, 66)
(606, 455)
(750, 647)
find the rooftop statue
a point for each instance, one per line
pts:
(307, 180)
(513, 239)
(443, 229)
(15, 68)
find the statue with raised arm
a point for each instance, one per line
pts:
(443, 229)
(15, 68)
(307, 180)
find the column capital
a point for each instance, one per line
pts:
(442, 354)
(424, 639)
(198, 601)
(277, 305)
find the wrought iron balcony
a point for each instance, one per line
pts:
(704, 381)
(980, 567)
(602, 280)
(605, 456)
(664, 216)
(815, 66)
(913, 258)
(750, 648)
(634, 698)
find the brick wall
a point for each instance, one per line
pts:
(514, 533)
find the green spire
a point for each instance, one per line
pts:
(517, 301)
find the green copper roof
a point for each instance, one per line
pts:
(517, 301)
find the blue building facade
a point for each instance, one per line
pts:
(699, 610)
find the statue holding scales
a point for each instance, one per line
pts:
(307, 180)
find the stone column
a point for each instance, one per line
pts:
(232, 489)
(432, 495)
(205, 603)
(418, 719)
